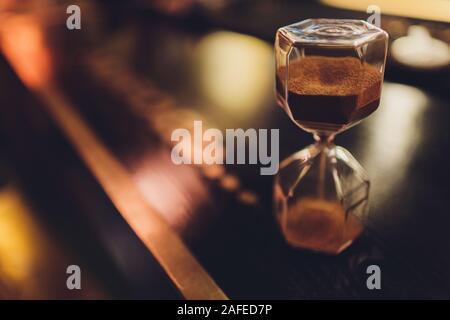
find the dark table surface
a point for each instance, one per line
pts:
(136, 78)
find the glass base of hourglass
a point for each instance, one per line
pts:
(321, 198)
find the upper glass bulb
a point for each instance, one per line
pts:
(329, 72)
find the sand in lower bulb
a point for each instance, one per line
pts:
(320, 225)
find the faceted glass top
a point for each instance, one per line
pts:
(345, 32)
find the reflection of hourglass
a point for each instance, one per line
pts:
(329, 77)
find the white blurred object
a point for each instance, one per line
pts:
(420, 50)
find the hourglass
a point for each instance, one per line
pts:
(329, 75)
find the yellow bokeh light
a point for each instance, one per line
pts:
(236, 72)
(17, 243)
(436, 10)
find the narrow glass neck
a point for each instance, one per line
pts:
(324, 138)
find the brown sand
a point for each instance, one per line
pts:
(330, 92)
(321, 225)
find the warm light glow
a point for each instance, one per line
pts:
(32, 265)
(175, 192)
(22, 42)
(394, 132)
(420, 50)
(436, 10)
(236, 72)
(17, 246)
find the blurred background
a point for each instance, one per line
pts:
(138, 69)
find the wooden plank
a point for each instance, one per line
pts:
(168, 248)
